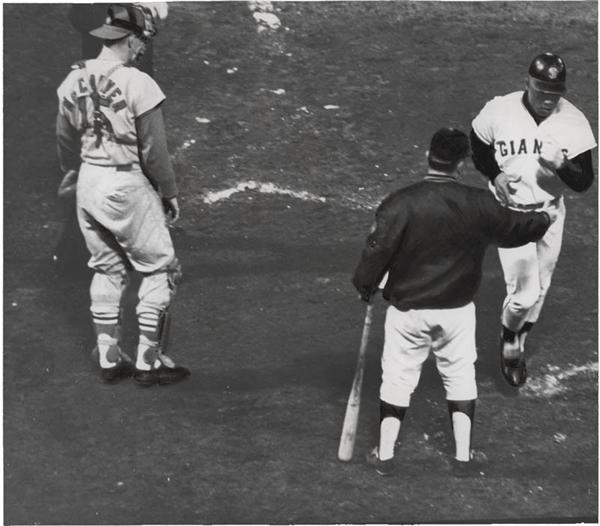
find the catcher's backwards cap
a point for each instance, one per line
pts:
(548, 73)
(123, 20)
(448, 147)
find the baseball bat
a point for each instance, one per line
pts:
(348, 437)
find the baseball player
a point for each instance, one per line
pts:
(70, 249)
(110, 129)
(532, 145)
(430, 238)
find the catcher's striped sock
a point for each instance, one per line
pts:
(148, 323)
(106, 322)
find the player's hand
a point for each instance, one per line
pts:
(552, 156)
(171, 207)
(504, 185)
(553, 213)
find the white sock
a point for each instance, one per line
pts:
(143, 345)
(104, 343)
(461, 427)
(388, 434)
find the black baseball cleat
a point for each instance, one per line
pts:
(161, 375)
(514, 370)
(122, 370)
(474, 467)
(385, 468)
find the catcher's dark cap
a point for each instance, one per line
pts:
(548, 73)
(449, 146)
(122, 20)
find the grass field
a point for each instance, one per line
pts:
(284, 141)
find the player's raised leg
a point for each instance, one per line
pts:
(522, 277)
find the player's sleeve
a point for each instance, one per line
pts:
(381, 246)
(578, 173)
(154, 156)
(483, 156)
(145, 94)
(484, 123)
(508, 228)
(68, 144)
(68, 138)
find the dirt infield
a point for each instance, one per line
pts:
(284, 140)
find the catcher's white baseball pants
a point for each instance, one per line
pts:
(411, 335)
(120, 214)
(528, 272)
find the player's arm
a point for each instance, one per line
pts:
(509, 228)
(154, 157)
(483, 156)
(577, 173)
(381, 245)
(68, 143)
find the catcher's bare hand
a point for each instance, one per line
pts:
(504, 187)
(171, 207)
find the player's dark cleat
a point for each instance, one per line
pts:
(514, 370)
(161, 375)
(472, 468)
(385, 468)
(122, 370)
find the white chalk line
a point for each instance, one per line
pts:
(552, 383)
(263, 188)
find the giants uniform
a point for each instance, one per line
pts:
(109, 122)
(505, 131)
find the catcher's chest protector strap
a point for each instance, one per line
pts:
(97, 99)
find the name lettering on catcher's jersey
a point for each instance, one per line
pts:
(110, 95)
(506, 148)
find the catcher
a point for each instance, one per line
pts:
(110, 130)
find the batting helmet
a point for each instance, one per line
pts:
(548, 73)
(448, 147)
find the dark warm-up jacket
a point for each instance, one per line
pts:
(432, 237)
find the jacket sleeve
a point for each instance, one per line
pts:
(483, 157)
(154, 156)
(68, 143)
(381, 246)
(509, 228)
(578, 173)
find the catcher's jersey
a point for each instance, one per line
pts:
(124, 93)
(505, 123)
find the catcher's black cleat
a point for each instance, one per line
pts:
(385, 468)
(514, 370)
(122, 370)
(161, 375)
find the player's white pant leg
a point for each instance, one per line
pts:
(548, 250)
(406, 347)
(522, 277)
(455, 350)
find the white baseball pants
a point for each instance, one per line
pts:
(411, 335)
(528, 272)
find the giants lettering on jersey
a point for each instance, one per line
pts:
(520, 147)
